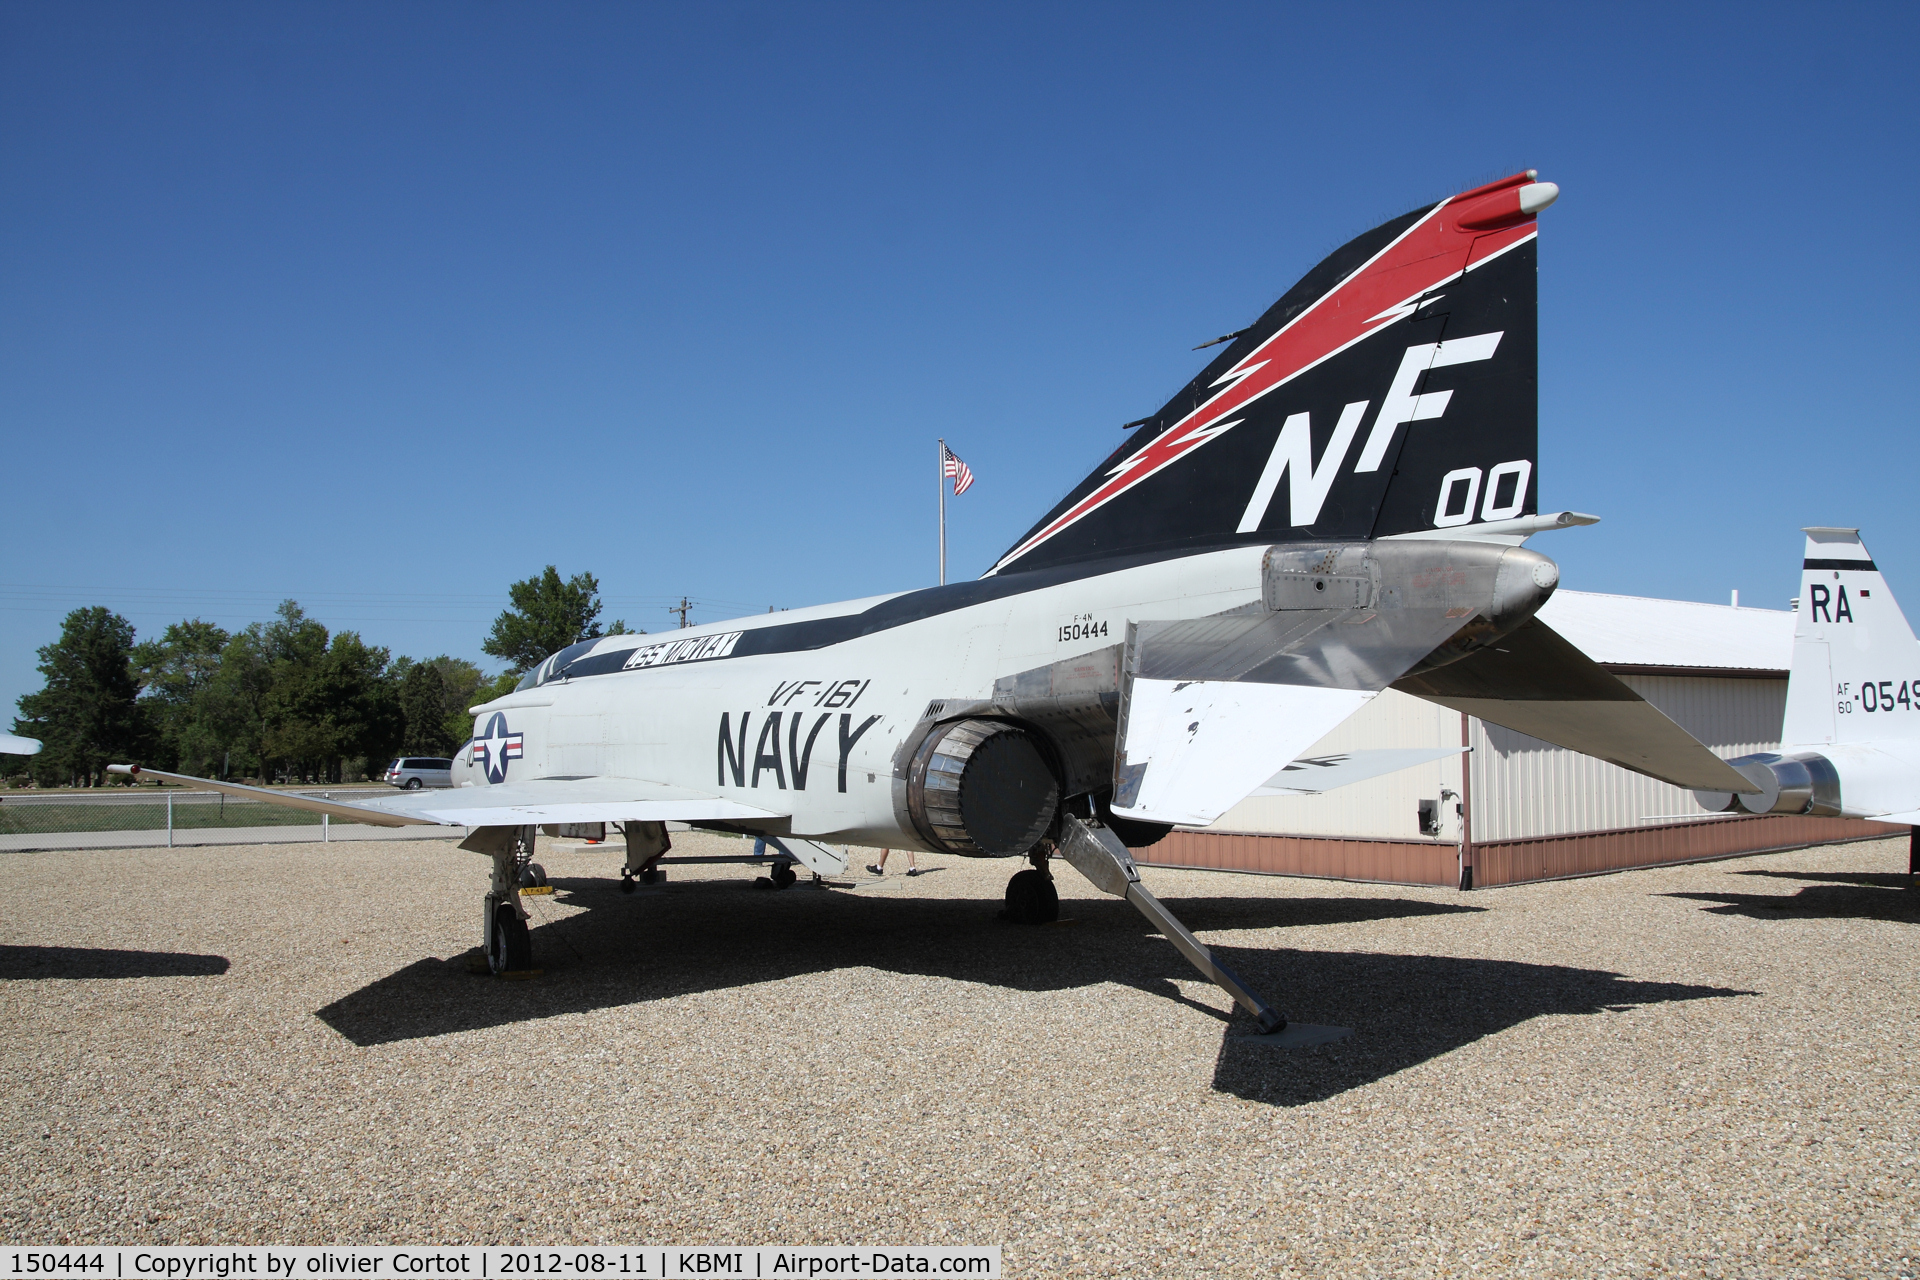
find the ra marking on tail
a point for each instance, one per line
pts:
(1850, 743)
(1856, 664)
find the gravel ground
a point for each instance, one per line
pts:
(1701, 1070)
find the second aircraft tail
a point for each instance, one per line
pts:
(1856, 664)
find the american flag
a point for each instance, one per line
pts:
(962, 474)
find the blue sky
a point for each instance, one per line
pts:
(383, 306)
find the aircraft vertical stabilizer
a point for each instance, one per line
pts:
(1856, 664)
(1391, 391)
(1850, 743)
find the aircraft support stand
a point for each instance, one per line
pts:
(1098, 854)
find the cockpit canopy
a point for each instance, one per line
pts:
(555, 666)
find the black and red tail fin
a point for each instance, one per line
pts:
(1392, 390)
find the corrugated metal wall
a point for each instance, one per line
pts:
(1524, 788)
(1506, 862)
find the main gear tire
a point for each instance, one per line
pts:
(509, 947)
(1133, 833)
(782, 876)
(1032, 898)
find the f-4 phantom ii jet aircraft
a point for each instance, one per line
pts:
(1334, 506)
(1851, 738)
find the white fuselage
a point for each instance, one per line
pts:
(815, 733)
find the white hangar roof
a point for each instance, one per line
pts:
(1672, 636)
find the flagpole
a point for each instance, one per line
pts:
(941, 468)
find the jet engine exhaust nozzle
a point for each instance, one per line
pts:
(981, 788)
(1804, 783)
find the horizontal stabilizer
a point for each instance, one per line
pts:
(1535, 682)
(14, 745)
(1311, 775)
(538, 801)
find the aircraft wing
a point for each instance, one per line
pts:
(14, 745)
(1536, 682)
(511, 804)
(1311, 775)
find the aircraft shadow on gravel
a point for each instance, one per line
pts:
(1404, 1010)
(1866, 895)
(99, 962)
(678, 940)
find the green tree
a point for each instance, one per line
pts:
(361, 706)
(173, 672)
(328, 699)
(88, 714)
(547, 615)
(293, 735)
(290, 699)
(464, 685)
(498, 687)
(234, 703)
(423, 702)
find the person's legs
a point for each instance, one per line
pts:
(913, 863)
(880, 868)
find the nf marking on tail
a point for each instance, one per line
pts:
(1403, 406)
(1398, 283)
(1293, 452)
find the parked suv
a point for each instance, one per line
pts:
(414, 772)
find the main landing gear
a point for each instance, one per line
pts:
(504, 937)
(647, 843)
(509, 945)
(1031, 895)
